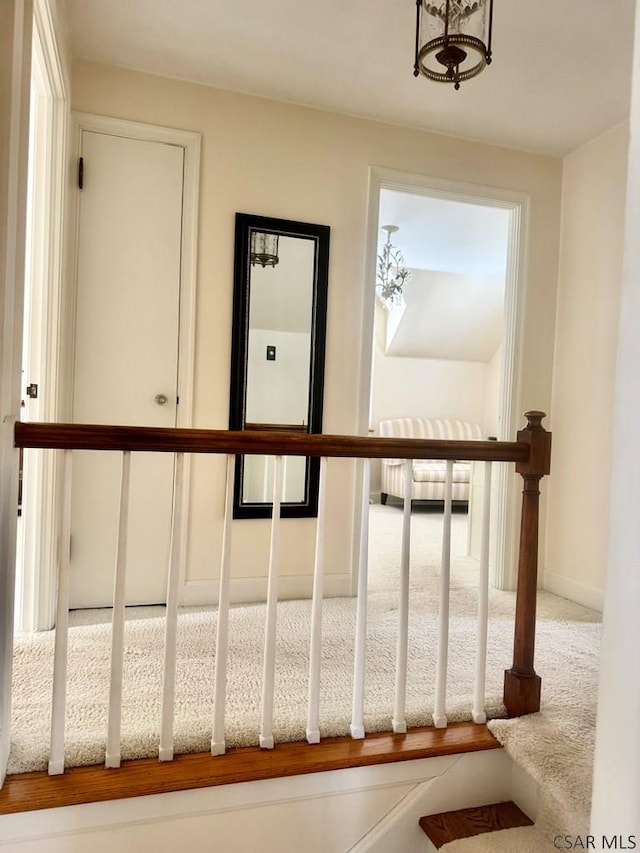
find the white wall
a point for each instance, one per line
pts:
(593, 200)
(312, 166)
(616, 789)
(427, 388)
(277, 391)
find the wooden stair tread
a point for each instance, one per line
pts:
(465, 823)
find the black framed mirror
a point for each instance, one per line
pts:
(281, 277)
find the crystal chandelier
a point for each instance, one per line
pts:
(264, 249)
(453, 39)
(392, 274)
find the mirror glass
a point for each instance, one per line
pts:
(280, 292)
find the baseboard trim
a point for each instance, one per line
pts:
(246, 590)
(588, 596)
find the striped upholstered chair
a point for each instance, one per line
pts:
(428, 475)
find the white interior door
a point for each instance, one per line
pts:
(126, 356)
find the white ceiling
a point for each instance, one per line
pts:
(450, 316)
(560, 76)
(458, 256)
(450, 236)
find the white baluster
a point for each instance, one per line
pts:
(399, 721)
(266, 729)
(315, 647)
(478, 712)
(285, 479)
(267, 473)
(165, 750)
(222, 633)
(439, 711)
(357, 716)
(56, 753)
(112, 756)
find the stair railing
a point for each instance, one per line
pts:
(530, 453)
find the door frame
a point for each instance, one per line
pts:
(503, 572)
(15, 66)
(35, 601)
(190, 142)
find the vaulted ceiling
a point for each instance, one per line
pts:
(457, 252)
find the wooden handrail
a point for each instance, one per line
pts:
(156, 439)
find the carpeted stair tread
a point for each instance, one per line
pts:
(464, 823)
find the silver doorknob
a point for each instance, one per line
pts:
(161, 399)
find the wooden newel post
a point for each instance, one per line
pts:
(521, 684)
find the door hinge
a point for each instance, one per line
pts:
(32, 391)
(80, 172)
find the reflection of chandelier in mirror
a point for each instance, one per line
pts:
(453, 39)
(391, 274)
(264, 249)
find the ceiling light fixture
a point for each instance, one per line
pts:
(453, 39)
(391, 275)
(264, 249)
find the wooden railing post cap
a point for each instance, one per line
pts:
(539, 441)
(534, 420)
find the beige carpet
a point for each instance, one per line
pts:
(567, 653)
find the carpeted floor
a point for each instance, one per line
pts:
(553, 745)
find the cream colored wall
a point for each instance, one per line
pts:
(492, 395)
(277, 159)
(593, 199)
(427, 388)
(616, 772)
